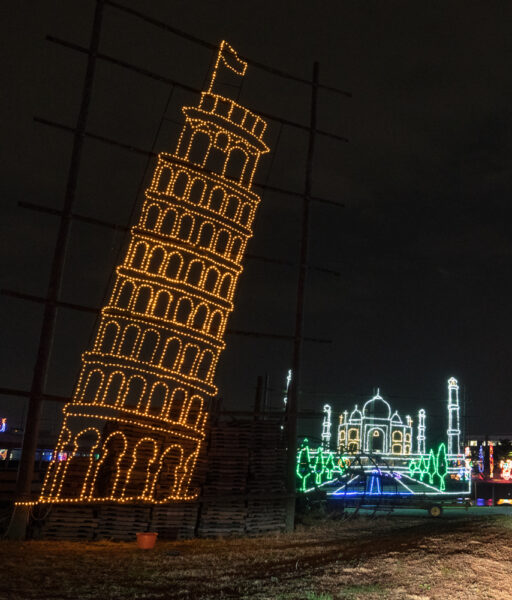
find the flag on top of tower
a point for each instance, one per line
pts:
(229, 58)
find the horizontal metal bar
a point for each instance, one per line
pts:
(276, 336)
(270, 413)
(41, 300)
(303, 414)
(125, 228)
(77, 217)
(132, 148)
(5, 391)
(95, 136)
(90, 309)
(209, 45)
(189, 88)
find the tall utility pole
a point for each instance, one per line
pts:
(293, 394)
(19, 519)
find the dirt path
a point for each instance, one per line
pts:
(392, 557)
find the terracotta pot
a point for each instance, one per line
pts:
(146, 540)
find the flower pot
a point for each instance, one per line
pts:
(146, 540)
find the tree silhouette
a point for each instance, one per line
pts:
(304, 470)
(319, 465)
(442, 466)
(422, 468)
(431, 466)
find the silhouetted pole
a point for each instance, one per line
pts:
(17, 526)
(258, 397)
(293, 393)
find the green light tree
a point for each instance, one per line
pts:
(422, 468)
(330, 465)
(442, 466)
(431, 466)
(319, 465)
(304, 470)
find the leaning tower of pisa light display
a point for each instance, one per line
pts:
(136, 421)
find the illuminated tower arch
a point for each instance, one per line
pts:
(135, 425)
(453, 417)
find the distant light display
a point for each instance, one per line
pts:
(377, 440)
(421, 432)
(453, 417)
(375, 429)
(136, 422)
(326, 427)
(3, 425)
(506, 469)
(481, 460)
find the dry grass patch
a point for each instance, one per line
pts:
(385, 558)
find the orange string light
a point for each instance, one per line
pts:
(160, 335)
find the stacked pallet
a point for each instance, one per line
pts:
(241, 474)
(121, 523)
(174, 521)
(244, 486)
(69, 523)
(228, 465)
(266, 481)
(222, 518)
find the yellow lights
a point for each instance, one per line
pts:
(228, 57)
(136, 423)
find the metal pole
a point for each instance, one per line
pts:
(19, 519)
(258, 397)
(293, 394)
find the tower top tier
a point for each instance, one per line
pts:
(229, 115)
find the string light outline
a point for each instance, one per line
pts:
(173, 293)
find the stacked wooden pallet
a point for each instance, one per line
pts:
(175, 521)
(244, 485)
(228, 464)
(241, 473)
(222, 518)
(70, 523)
(266, 480)
(120, 523)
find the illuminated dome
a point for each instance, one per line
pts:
(377, 407)
(356, 415)
(396, 418)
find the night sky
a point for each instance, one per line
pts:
(423, 245)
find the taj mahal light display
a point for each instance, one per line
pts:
(379, 453)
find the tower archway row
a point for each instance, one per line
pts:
(202, 193)
(175, 266)
(109, 463)
(220, 147)
(143, 302)
(167, 351)
(217, 240)
(213, 241)
(142, 394)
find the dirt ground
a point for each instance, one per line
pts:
(395, 557)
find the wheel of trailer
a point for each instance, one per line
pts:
(435, 511)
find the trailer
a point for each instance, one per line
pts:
(351, 482)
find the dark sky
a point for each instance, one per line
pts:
(423, 245)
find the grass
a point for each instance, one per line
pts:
(393, 558)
